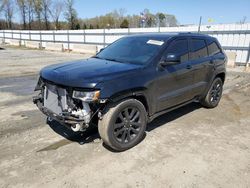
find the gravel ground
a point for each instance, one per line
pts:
(188, 147)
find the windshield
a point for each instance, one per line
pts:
(138, 50)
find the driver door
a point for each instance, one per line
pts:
(174, 83)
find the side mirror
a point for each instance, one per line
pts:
(171, 59)
(101, 49)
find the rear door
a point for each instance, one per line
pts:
(202, 64)
(215, 52)
(174, 82)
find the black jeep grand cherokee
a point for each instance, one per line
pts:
(132, 81)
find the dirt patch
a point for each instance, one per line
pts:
(19, 62)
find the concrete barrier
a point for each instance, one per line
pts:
(54, 46)
(85, 48)
(231, 59)
(14, 42)
(32, 44)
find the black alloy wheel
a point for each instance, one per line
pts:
(127, 125)
(214, 94)
(123, 125)
(216, 91)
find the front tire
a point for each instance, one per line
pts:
(123, 125)
(214, 94)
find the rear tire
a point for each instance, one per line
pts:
(214, 94)
(123, 124)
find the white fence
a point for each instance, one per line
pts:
(233, 37)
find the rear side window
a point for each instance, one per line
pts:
(198, 49)
(180, 48)
(213, 48)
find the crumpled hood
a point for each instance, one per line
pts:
(86, 73)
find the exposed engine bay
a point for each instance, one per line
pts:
(58, 103)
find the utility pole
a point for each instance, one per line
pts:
(199, 28)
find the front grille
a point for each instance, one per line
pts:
(55, 98)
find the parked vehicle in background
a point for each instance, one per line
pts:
(131, 82)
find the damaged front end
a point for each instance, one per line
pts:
(73, 107)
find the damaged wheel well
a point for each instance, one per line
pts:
(138, 96)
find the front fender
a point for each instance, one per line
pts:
(139, 83)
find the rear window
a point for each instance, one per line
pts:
(198, 49)
(213, 48)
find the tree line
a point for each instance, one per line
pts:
(37, 14)
(119, 19)
(61, 14)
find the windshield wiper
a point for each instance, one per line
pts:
(108, 59)
(111, 59)
(97, 57)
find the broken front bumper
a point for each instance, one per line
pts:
(57, 103)
(64, 118)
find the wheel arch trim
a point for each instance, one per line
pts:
(139, 94)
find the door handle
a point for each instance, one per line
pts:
(189, 67)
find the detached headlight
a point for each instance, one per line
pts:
(86, 96)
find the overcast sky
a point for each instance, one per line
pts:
(186, 11)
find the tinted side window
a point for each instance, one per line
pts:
(213, 48)
(198, 48)
(180, 48)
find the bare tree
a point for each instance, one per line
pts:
(122, 12)
(57, 7)
(38, 12)
(1, 6)
(46, 11)
(71, 14)
(171, 20)
(8, 10)
(2, 23)
(30, 11)
(23, 11)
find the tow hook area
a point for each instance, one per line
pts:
(77, 127)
